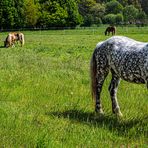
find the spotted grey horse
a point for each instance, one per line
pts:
(126, 59)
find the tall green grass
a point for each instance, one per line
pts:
(45, 98)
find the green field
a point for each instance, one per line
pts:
(45, 98)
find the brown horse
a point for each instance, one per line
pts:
(110, 29)
(12, 38)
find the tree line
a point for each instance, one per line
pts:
(71, 13)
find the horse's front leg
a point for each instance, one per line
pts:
(113, 94)
(12, 45)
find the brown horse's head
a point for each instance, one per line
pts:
(105, 32)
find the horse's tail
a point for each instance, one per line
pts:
(113, 30)
(93, 73)
(23, 39)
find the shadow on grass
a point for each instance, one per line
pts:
(131, 127)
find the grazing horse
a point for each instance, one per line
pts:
(12, 38)
(126, 59)
(110, 29)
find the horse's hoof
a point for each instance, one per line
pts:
(99, 114)
(119, 114)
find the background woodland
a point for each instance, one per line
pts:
(71, 13)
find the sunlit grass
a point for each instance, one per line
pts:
(45, 98)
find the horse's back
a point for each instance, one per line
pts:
(123, 39)
(122, 43)
(127, 57)
(120, 47)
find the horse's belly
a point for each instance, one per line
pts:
(129, 70)
(131, 74)
(133, 79)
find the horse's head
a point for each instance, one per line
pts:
(105, 32)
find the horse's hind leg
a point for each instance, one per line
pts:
(113, 93)
(101, 75)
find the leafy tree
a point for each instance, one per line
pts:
(141, 15)
(52, 14)
(113, 18)
(97, 12)
(130, 14)
(6, 19)
(91, 11)
(11, 13)
(113, 7)
(85, 7)
(123, 2)
(7, 13)
(135, 3)
(119, 18)
(19, 15)
(110, 19)
(74, 18)
(102, 1)
(144, 5)
(141, 18)
(31, 13)
(59, 13)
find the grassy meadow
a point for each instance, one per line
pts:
(45, 98)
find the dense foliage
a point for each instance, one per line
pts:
(71, 13)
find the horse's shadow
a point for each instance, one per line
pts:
(2, 47)
(112, 123)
